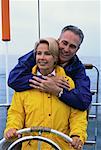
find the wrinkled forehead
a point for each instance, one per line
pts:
(70, 37)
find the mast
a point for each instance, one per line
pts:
(39, 19)
(6, 36)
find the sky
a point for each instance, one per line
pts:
(54, 15)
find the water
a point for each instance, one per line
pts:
(93, 76)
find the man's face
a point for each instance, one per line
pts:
(68, 44)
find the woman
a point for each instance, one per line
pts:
(36, 108)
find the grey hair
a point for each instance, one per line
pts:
(75, 30)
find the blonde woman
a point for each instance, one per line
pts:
(37, 108)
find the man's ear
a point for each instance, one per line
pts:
(78, 48)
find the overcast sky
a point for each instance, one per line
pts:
(55, 14)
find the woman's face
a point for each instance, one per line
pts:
(44, 59)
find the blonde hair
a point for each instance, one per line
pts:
(53, 46)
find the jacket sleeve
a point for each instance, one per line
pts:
(80, 97)
(78, 124)
(19, 76)
(15, 116)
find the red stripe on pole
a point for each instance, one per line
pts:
(5, 20)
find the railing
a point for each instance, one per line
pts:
(96, 104)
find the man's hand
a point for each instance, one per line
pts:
(77, 143)
(11, 133)
(61, 82)
(47, 84)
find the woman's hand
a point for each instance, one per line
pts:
(11, 133)
(77, 143)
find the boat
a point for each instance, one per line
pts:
(90, 144)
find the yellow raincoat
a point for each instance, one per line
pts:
(36, 108)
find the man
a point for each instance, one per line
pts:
(70, 39)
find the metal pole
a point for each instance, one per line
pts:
(7, 90)
(6, 36)
(39, 19)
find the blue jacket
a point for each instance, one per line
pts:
(79, 98)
